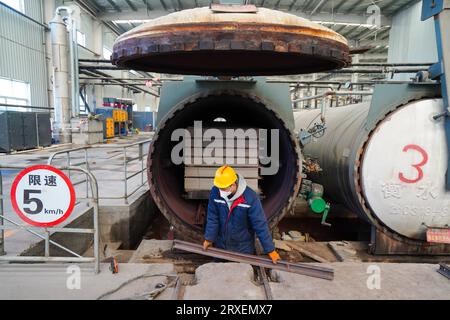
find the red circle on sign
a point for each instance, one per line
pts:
(22, 215)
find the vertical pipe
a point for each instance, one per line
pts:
(94, 188)
(315, 100)
(125, 174)
(68, 163)
(47, 242)
(141, 156)
(87, 168)
(442, 24)
(73, 45)
(61, 79)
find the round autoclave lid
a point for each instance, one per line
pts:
(202, 41)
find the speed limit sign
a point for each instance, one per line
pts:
(42, 196)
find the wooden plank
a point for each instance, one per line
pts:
(208, 172)
(306, 252)
(191, 184)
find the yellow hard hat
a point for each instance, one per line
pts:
(225, 177)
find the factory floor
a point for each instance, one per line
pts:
(235, 281)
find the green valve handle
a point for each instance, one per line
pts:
(320, 206)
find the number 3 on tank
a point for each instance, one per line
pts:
(417, 166)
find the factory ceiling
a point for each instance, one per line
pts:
(351, 18)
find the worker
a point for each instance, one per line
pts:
(234, 215)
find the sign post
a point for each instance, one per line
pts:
(42, 196)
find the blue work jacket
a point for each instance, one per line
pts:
(234, 228)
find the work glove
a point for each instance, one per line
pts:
(206, 244)
(274, 256)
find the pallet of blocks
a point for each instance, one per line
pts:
(202, 159)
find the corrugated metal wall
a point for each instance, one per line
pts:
(22, 50)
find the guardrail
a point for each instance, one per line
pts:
(93, 201)
(124, 162)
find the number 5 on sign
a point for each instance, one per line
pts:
(42, 196)
(417, 166)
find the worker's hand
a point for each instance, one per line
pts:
(274, 256)
(206, 244)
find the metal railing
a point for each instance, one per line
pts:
(122, 161)
(93, 201)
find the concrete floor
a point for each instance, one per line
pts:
(49, 282)
(233, 281)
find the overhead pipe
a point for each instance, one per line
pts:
(334, 93)
(133, 87)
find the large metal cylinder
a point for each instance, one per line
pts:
(241, 108)
(392, 174)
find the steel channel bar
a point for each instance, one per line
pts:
(254, 257)
(313, 271)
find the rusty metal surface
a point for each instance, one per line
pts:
(201, 42)
(300, 268)
(383, 243)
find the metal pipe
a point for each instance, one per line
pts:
(125, 172)
(124, 84)
(73, 53)
(386, 70)
(90, 67)
(390, 64)
(25, 107)
(45, 259)
(52, 229)
(300, 268)
(95, 60)
(334, 93)
(47, 244)
(371, 82)
(61, 78)
(75, 74)
(134, 79)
